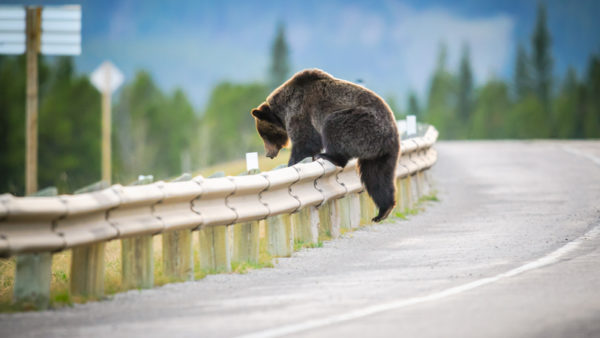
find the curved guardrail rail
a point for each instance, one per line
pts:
(50, 224)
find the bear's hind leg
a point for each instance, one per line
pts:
(378, 177)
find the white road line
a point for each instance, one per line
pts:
(551, 258)
(581, 153)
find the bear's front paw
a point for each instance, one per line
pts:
(336, 161)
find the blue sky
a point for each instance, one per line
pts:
(391, 45)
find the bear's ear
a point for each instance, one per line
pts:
(263, 112)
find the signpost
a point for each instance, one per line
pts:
(54, 30)
(106, 78)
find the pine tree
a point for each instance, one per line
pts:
(522, 76)
(568, 107)
(592, 90)
(280, 63)
(441, 101)
(542, 60)
(465, 87)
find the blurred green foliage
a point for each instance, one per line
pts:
(529, 107)
(68, 126)
(227, 129)
(153, 131)
(161, 133)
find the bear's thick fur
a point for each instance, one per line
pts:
(317, 111)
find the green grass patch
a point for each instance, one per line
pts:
(400, 215)
(432, 197)
(298, 245)
(417, 207)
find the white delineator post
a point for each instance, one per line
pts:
(251, 161)
(106, 78)
(411, 125)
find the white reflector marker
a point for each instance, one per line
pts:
(251, 161)
(411, 125)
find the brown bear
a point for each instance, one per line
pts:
(319, 112)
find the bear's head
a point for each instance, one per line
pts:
(271, 129)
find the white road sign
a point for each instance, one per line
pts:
(60, 30)
(107, 77)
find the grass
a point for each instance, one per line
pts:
(265, 260)
(299, 245)
(418, 207)
(239, 166)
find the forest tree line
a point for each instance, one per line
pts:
(160, 133)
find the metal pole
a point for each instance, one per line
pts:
(31, 125)
(106, 131)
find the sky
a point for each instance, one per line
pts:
(390, 45)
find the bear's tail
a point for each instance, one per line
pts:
(378, 176)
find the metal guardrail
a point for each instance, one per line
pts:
(42, 224)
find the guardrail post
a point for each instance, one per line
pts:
(214, 249)
(178, 255)
(306, 225)
(280, 235)
(137, 257)
(177, 250)
(406, 193)
(354, 205)
(329, 221)
(246, 239)
(415, 188)
(138, 262)
(342, 205)
(246, 234)
(398, 208)
(87, 261)
(367, 208)
(32, 280)
(33, 273)
(87, 271)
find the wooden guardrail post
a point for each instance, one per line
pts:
(137, 256)
(367, 208)
(329, 221)
(33, 273)
(87, 261)
(306, 225)
(246, 234)
(406, 193)
(32, 280)
(214, 249)
(280, 235)
(246, 242)
(415, 193)
(178, 255)
(342, 205)
(87, 271)
(214, 240)
(354, 205)
(177, 250)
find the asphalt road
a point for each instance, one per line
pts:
(511, 250)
